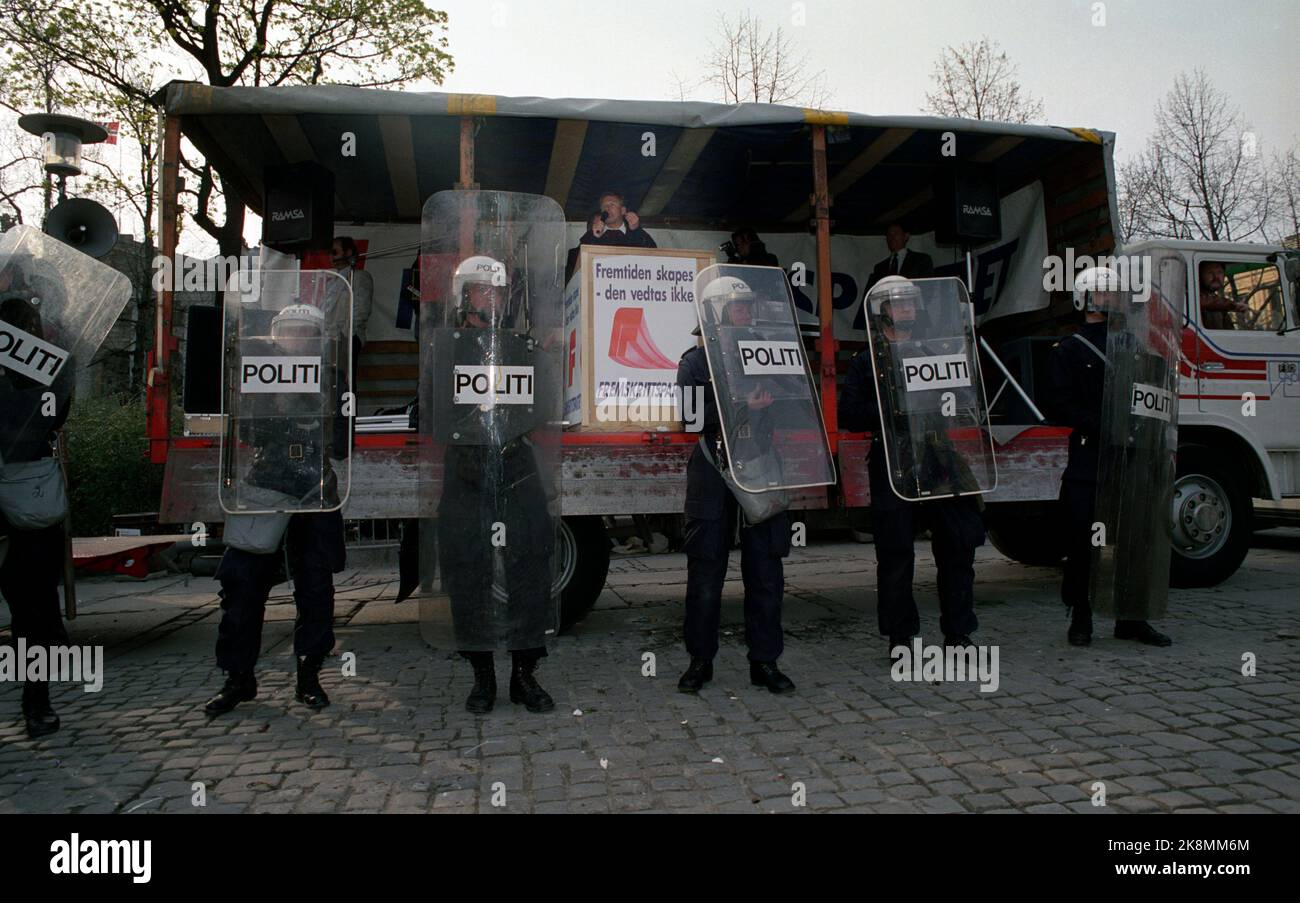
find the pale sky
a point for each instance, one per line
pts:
(878, 57)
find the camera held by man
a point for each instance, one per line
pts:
(746, 248)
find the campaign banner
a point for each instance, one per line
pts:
(1008, 273)
(628, 317)
(643, 311)
(573, 352)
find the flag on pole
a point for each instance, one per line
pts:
(111, 128)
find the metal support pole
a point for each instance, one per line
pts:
(158, 408)
(826, 344)
(1033, 409)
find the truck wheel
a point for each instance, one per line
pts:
(1211, 519)
(1031, 533)
(583, 550)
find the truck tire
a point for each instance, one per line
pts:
(583, 550)
(1211, 518)
(1030, 533)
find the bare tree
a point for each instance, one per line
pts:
(1286, 185)
(104, 60)
(135, 189)
(682, 88)
(369, 43)
(31, 79)
(37, 77)
(1201, 175)
(748, 63)
(977, 80)
(21, 175)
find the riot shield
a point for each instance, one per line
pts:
(1138, 441)
(285, 397)
(771, 418)
(56, 307)
(491, 405)
(934, 417)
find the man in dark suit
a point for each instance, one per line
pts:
(900, 262)
(617, 225)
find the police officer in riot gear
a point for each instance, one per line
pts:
(291, 456)
(491, 478)
(1076, 378)
(712, 520)
(955, 524)
(57, 305)
(32, 568)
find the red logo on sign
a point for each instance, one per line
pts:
(630, 343)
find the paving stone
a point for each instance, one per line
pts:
(1166, 731)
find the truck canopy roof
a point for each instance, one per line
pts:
(1205, 247)
(712, 166)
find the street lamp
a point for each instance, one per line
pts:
(79, 222)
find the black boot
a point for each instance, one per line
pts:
(524, 688)
(238, 688)
(698, 673)
(483, 696)
(37, 712)
(1080, 632)
(896, 640)
(1142, 632)
(767, 674)
(309, 691)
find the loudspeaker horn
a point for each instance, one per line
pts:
(85, 225)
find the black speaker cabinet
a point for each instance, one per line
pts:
(299, 210)
(967, 211)
(202, 393)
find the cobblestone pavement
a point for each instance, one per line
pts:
(1178, 729)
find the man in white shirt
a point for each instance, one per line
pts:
(900, 262)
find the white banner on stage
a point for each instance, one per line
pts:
(1008, 272)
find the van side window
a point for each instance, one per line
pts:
(1241, 296)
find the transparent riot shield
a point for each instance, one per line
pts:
(771, 418)
(491, 405)
(934, 417)
(286, 359)
(1138, 441)
(56, 308)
